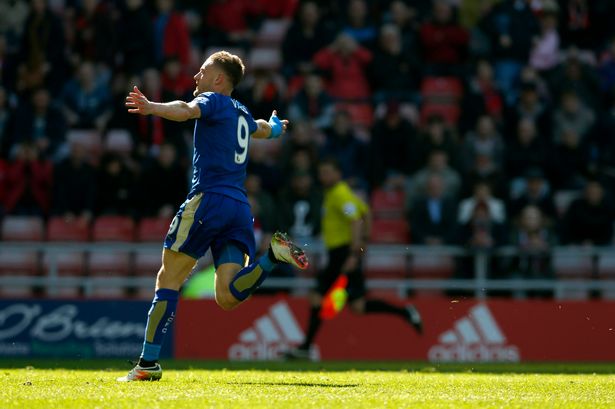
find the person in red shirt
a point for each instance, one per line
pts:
(346, 61)
(171, 37)
(28, 183)
(444, 41)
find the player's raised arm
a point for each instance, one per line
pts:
(272, 129)
(180, 111)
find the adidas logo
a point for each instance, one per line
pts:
(474, 338)
(270, 336)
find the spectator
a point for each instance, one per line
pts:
(392, 144)
(358, 24)
(482, 231)
(228, 22)
(482, 194)
(74, 193)
(573, 115)
(299, 208)
(262, 164)
(28, 183)
(312, 103)
(484, 170)
(305, 37)
(435, 135)
(437, 165)
(13, 15)
(406, 18)
(262, 91)
(483, 97)
(433, 215)
(263, 211)
(535, 192)
(343, 145)
(583, 22)
(510, 27)
(171, 37)
(86, 103)
(136, 38)
(115, 187)
(606, 67)
(526, 151)
(42, 53)
(300, 150)
(153, 131)
(569, 161)
(484, 141)
(545, 51)
(346, 62)
(94, 36)
(575, 74)
(394, 71)
(530, 107)
(176, 84)
(589, 219)
(534, 240)
(444, 42)
(165, 170)
(42, 123)
(6, 123)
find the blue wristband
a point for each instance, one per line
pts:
(276, 127)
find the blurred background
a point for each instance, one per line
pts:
(479, 131)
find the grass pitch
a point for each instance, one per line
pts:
(91, 384)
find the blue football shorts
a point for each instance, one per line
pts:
(213, 220)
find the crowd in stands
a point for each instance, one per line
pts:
(493, 120)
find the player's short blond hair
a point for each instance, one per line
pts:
(231, 65)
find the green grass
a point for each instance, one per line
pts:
(91, 384)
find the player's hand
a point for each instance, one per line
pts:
(278, 126)
(138, 103)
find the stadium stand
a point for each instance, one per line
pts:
(466, 75)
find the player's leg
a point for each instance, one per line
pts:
(175, 269)
(183, 245)
(235, 283)
(359, 304)
(236, 278)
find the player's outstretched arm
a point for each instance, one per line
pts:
(138, 103)
(271, 129)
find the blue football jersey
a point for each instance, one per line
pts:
(221, 141)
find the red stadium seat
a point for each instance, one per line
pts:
(572, 267)
(60, 229)
(114, 228)
(24, 262)
(272, 32)
(432, 267)
(449, 112)
(392, 231)
(385, 265)
(388, 203)
(18, 263)
(153, 229)
(441, 89)
(22, 228)
(147, 263)
(268, 58)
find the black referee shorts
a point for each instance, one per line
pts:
(326, 278)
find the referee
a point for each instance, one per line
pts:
(345, 229)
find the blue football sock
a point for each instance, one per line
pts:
(159, 320)
(251, 277)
